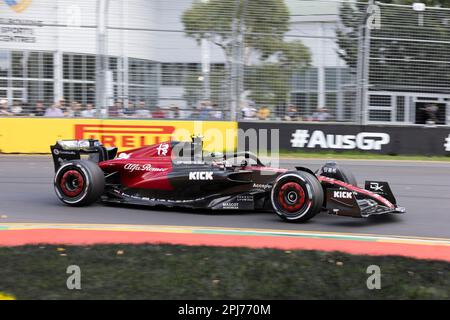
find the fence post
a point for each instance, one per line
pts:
(101, 63)
(365, 78)
(362, 78)
(240, 56)
(206, 57)
(359, 75)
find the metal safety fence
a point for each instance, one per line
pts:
(291, 60)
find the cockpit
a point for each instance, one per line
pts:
(192, 153)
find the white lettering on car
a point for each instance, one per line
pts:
(162, 149)
(142, 167)
(261, 186)
(375, 186)
(342, 194)
(201, 175)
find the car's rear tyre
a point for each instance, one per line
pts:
(297, 196)
(79, 183)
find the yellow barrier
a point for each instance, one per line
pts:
(4, 296)
(35, 135)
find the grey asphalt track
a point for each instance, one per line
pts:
(27, 195)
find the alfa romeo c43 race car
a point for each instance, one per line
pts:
(181, 174)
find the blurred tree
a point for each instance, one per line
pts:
(430, 3)
(269, 60)
(193, 85)
(269, 82)
(397, 62)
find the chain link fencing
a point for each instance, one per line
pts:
(292, 60)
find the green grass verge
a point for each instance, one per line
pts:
(358, 155)
(179, 272)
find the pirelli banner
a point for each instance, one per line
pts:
(392, 140)
(35, 135)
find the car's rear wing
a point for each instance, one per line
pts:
(66, 150)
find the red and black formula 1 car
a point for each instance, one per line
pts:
(181, 174)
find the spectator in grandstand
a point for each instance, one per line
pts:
(175, 110)
(54, 111)
(431, 111)
(4, 110)
(278, 112)
(321, 114)
(248, 112)
(291, 113)
(77, 108)
(129, 110)
(67, 111)
(116, 110)
(158, 113)
(72, 110)
(17, 109)
(142, 111)
(62, 105)
(39, 109)
(121, 108)
(204, 110)
(103, 112)
(217, 113)
(194, 114)
(28, 109)
(263, 113)
(88, 112)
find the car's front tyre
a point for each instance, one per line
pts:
(297, 196)
(79, 183)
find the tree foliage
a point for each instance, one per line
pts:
(261, 25)
(263, 22)
(404, 55)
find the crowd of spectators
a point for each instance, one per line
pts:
(204, 110)
(291, 113)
